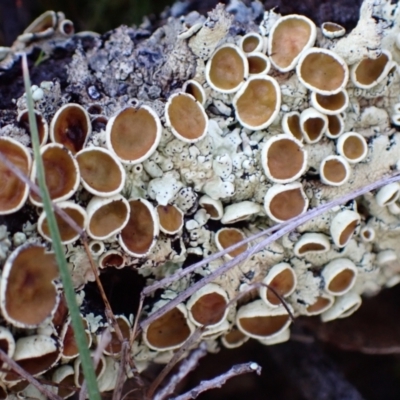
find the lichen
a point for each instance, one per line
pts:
(137, 67)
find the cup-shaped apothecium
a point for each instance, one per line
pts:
(186, 117)
(259, 321)
(291, 125)
(69, 347)
(283, 158)
(107, 216)
(257, 102)
(43, 26)
(112, 258)
(330, 104)
(240, 212)
(213, 207)
(109, 379)
(388, 194)
(234, 338)
(66, 27)
(322, 71)
(227, 69)
(42, 125)
(101, 173)
(68, 233)
(208, 306)
(343, 226)
(283, 202)
(339, 276)
(313, 124)
(281, 279)
(334, 170)
(13, 192)
(386, 256)
(71, 127)
(140, 233)
(367, 233)
(332, 30)
(259, 64)
(312, 242)
(320, 305)
(352, 146)
(227, 237)
(133, 134)
(7, 343)
(169, 331)
(171, 219)
(115, 346)
(99, 371)
(36, 354)
(335, 126)
(28, 294)
(195, 89)
(343, 307)
(369, 72)
(289, 37)
(64, 377)
(252, 42)
(61, 173)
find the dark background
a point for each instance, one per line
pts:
(325, 361)
(93, 15)
(103, 15)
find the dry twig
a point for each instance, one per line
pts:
(104, 341)
(121, 371)
(186, 366)
(220, 380)
(193, 338)
(256, 286)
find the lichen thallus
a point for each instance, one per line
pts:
(272, 234)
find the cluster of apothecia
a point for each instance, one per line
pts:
(275, 121)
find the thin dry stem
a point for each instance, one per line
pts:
(83, 391)
(220, 380)
(136, 329)
(117, 394)
(57, 385)
(186, 366)
(21, 372)
(105, 339)
(108, 309)
(256, 286)
(129, 393)
(193, 338)
(109, 312)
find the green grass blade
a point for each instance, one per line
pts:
(80, 336)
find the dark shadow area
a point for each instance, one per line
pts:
(103, 15)
(122, 287)
(314, 365)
